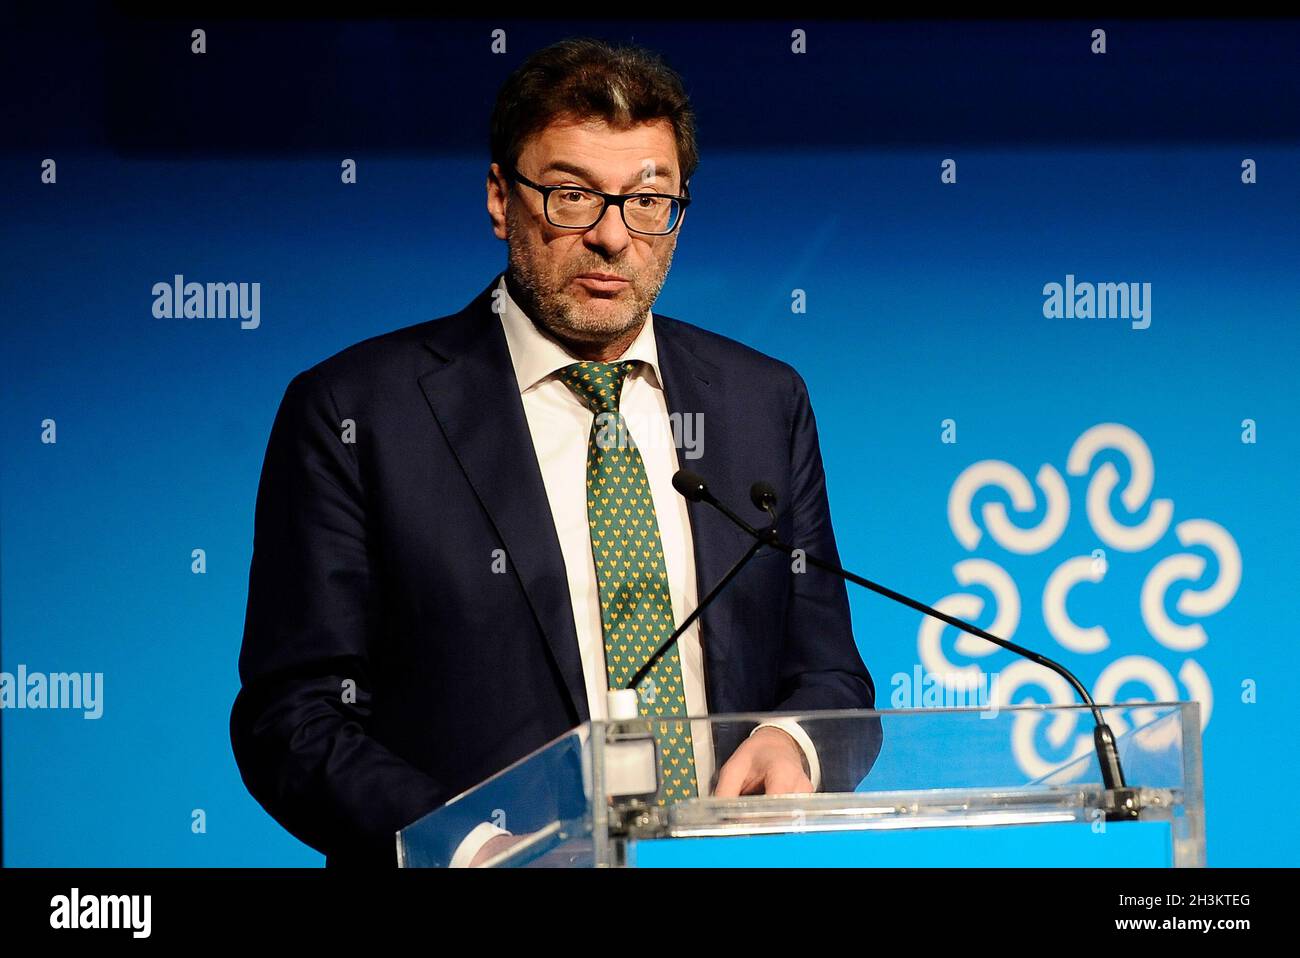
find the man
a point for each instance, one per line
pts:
(438, 586)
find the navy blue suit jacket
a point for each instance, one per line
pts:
(373, 570)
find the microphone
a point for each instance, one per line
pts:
(1125, 806)
(763, 496)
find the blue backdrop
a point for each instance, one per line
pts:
(924, 344)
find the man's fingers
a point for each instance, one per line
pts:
(734, 777)
(784, 780)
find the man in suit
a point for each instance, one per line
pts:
(466, 530)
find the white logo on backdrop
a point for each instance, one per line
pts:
(1086, 639)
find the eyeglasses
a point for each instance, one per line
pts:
(577, 208)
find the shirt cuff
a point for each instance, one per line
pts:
(469, 846)
(793, 728)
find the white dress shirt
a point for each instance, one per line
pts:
(560, 425)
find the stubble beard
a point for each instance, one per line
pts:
(552, 304)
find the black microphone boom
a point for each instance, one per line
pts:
(695, 489)
(681, 482)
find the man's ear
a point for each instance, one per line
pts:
(498, 195)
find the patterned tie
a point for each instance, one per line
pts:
(636, 611)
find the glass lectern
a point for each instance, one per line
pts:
(991, 786)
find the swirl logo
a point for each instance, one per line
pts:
(1141, 527)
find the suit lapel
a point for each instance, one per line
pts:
(474, 399)
(693, 387)
(473, 396)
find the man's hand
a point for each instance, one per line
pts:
(768, 762)
(494, 846)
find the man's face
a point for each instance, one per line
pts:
(552, 265)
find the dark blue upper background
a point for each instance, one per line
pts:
(130, 82)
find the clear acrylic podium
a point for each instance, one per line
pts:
(1003, 784)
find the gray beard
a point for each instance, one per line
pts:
(560, 316)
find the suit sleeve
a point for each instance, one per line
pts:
(299, 722)
(820, 665)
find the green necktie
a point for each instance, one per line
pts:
(636, 611)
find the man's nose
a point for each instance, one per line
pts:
(609, 233)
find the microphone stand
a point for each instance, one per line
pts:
(686, 622)
(1124, 800)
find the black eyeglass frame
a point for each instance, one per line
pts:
(615, 199)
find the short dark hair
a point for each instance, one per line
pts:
(584, 78)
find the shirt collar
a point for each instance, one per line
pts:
(536, 356)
